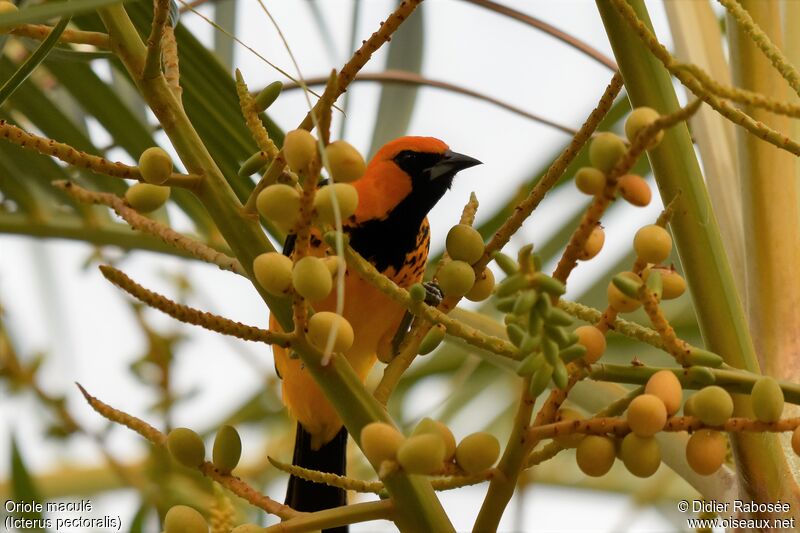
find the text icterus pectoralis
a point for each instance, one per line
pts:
(404, 180)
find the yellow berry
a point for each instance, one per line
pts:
(590, 181)
(227, 449)
(652, 243)
(594, 243)
(483, 287)
(320, 326)
(646, 415)
(184, 519)
(672, 283)
(145, 197)
(688, 406)
(712, 405)
(595, 455)
(666, 386)
(573, 439)
(428, 425)
(634, 189)
(706, 451)
(477, 452)
(299, 149)
(620, 302)
(464, 243)
(332, 262)
(273, 271)
(605, 150)
(346, 163)
(155, 165)
(346, 197)
(380, 442)
(311, 278)
(186, 447)
(422, 454)
(638, 120)
(279, 203)
(641, 455)
(767, 399)
(593, 340)
(456, 278)
(6, 8)
(796, 440)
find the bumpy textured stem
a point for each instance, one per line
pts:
(40, 33)
(338, 516)
(761, 462)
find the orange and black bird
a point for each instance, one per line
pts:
(404, 180)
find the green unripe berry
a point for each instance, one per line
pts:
(464, 243)
(605, 150)
(646, 415)
(593, 340)
(672, 283)
(594, 243)
(417, 292)
(590, 181)
(432, 339)
(300, 150)
(279, 203)
(477, 452)
(227, 449)
(320, 326)
(666, 386)
(268, 95)
(712, 405)
(634, 189)
(688, 406)
(618, 301)
(641, 455)
(380, 442)
(145, 197)
(482, 288)
(640, 118)
(506, 263)
(422, 454)
(186, 447)
(311, 278)
(273, 271)
(184, 519)
(346, 196)
(254, 163)
(155, 165)
(428, 425)
(767, 399)
(456, 278)
(652, 243)
(595, 455)
(6, 8)
(346, 163)
(706, 451)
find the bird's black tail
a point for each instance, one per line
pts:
(303, 495)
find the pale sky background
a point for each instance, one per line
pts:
(84, 323)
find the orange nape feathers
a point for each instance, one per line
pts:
(384, 184)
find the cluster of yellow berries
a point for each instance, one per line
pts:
(428, 449)
(647, 414)
(457, 277)
(605, 151)
(653, 245)
(280, 202)
(155, 167)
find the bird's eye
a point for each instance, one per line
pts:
(404, 157)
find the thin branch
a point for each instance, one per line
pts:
(41, 31)
(190, 315)
(152, 63)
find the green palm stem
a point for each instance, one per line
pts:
(764, 474)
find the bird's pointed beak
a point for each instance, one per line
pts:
(451, 163)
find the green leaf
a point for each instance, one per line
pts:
(397, 102)
(22, 486)
(33, 61)
(43, 12)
